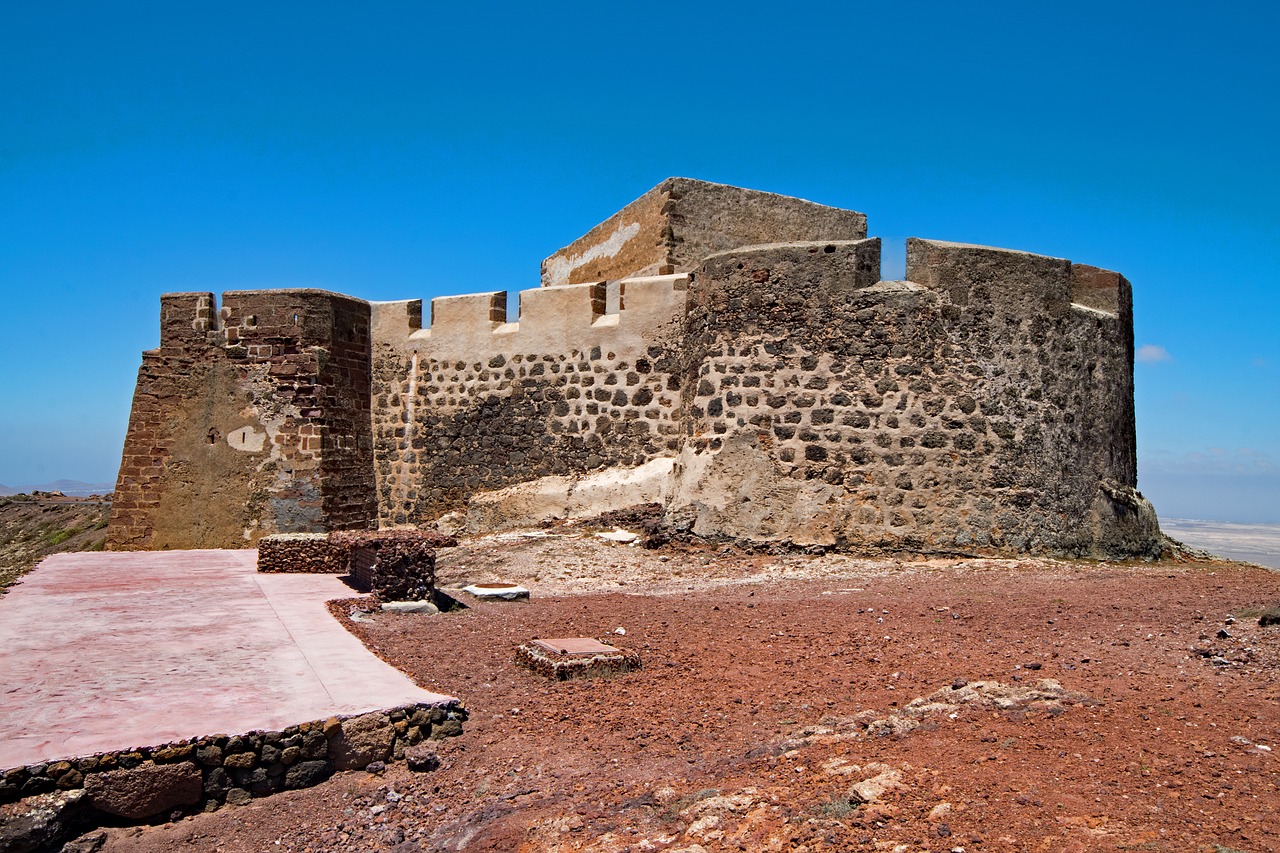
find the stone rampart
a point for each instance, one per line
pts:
(773, 383)
(585, 378)
(971, 407)
(248, 420)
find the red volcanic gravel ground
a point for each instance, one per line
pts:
(1075, 707)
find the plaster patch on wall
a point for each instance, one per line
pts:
(247, 438)
(559, 269)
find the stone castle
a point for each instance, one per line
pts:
(731, 354)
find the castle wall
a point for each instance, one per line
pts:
(249, 420)
(586, 377)
(766, 385)
(671, 228)
(973, 406)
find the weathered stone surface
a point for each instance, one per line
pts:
(145, 790)
(39, 822)
(421, 758)
(983, 405)
(307, 773)
(972, 408)
(361, 740)
(274, 381)
(679, 222)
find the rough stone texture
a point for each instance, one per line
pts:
(204, 773)
(360, 740)
(40, 822)
(473, 404)
(145, 790)
(676, 224)
(310, 553)
(973, 407)
(528, 504)
(985, 404)
(421, 758)
(249, 420)
(568, 666)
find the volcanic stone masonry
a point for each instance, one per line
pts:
(733, 351)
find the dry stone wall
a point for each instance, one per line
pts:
(205, 773)
(474, 403)
(972, 407)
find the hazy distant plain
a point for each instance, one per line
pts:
(1254, 543)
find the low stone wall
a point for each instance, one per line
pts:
(395, 565)
(205, 773)
(306, 553)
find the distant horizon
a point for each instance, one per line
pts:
(1268, 520)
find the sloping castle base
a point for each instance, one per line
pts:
(739, 342)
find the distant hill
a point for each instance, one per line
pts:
(32, 528)
(73, 488)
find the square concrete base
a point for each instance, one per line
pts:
(575, 657)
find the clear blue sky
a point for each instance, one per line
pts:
(399, 150)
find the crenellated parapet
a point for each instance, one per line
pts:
(248, 419)
(578, 378)
(739, 346)
(985, 403)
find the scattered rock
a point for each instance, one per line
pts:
(359, 615)
(90, 842)
(871, 789)
(145, 790)
(421, 758)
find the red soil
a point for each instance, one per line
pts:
(747, 728)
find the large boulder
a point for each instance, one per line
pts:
(37, 823)
(146, 790)
(358, 741)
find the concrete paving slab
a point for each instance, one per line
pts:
(106, 651)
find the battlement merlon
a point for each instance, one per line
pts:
(671, 228)
(186, 319)
(1016, 282)
(549, 320)
(309, 316)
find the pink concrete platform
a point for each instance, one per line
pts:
(105, 651)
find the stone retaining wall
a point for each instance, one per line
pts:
(394, 565)
(301, 553)
(205, 773)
